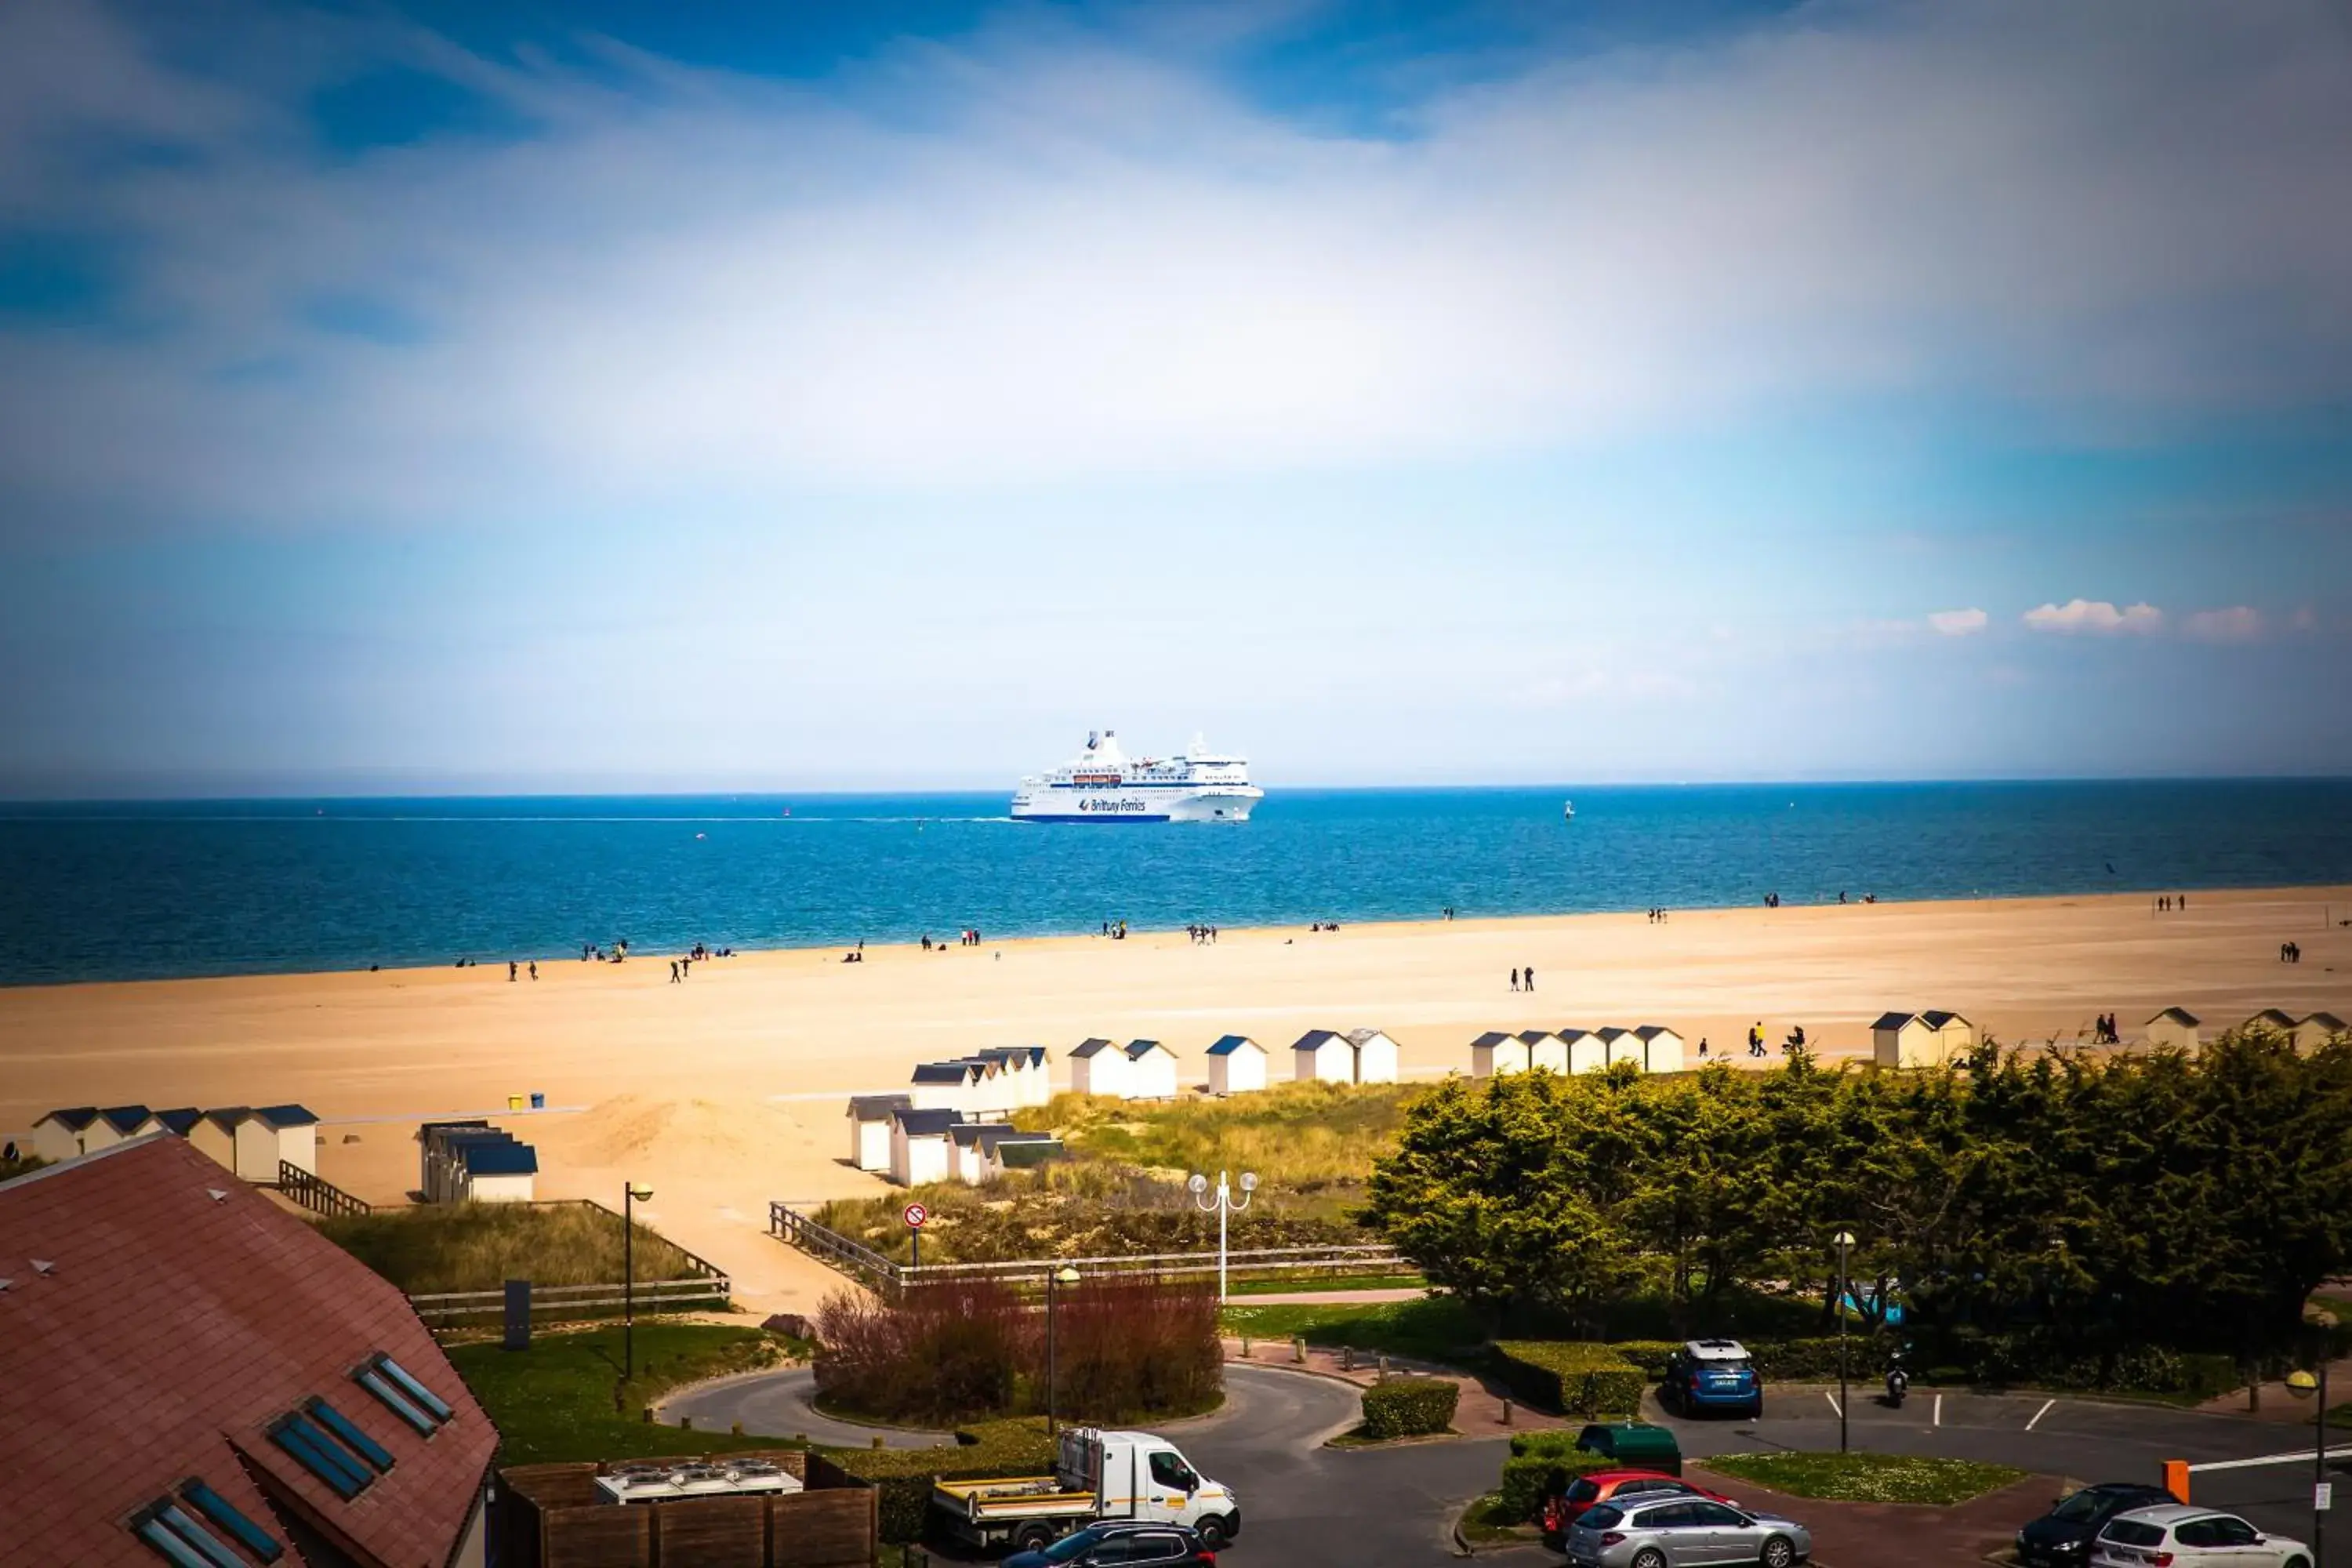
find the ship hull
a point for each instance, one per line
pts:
(1073, 803)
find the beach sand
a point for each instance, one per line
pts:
(725, 1091)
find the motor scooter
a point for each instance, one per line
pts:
(1898, 1384)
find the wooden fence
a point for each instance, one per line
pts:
(890, 1277)
(318, 1194)
(648, 1295)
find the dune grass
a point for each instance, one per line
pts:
(435, 1248)
(1868, 1477)
(563, 1399)
(1299, 1138)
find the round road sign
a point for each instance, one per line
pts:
(916, 1214)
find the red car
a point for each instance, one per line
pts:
(1561, 1509)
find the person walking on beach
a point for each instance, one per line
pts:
(1515, 980)
(1702, 1048)
(673, 972)
(534, 970)
(1531, 978)
(510, 970)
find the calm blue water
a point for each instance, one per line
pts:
(133, 891)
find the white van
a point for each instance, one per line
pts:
(1097, 1476)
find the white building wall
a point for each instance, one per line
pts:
(1376, 1060)
(1152, 1077)
(1663, 1052)
(870, 1145)
(54, 1141)
(1334, 1063)
(1105, 1072)
(923, 1160)
(256, 1152)
(513, 1189)
(1549, 1053)
(299, 1146)
(1241, 1071)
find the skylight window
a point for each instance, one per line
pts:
(179, 1538)
(225, 1513)
(424, 1397)
(350, 1437)
(403, 1394)
(321, 1455)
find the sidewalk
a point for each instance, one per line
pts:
(2278, 1405)
(1860, 1534)
(1480, 1413)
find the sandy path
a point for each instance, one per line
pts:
(769, 1043)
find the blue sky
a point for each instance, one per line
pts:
(604, 395)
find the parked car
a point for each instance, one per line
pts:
(1715, 1374)
(2175, 1535)
(1139, 1545)
(1636, 1445)
(1684, 1533)
(1620, 1486)
(2062, 1537)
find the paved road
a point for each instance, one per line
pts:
(776, 1404)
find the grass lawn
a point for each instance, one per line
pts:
(1486, 1522)
(1436, 1328)
(1867, 1478)
(1355, 1282)
(435, 1248)
(563, 1398)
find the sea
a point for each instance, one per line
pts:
(155, 889)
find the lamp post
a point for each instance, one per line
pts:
(1063, 1277)
(2303, 1386)
(1843, 1241)
(1223, 1203)
(632, 1194)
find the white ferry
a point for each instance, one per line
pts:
(1104, 784)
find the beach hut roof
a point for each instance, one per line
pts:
(1570, 1036)
(180, 1119)
(2269, 1018)
(1090, 1048)
(1937, 1018)
(2327, 1021)
(1316, 1039)
(1533, 1036)
(74, 1119)
(2179, 1016)
(970, 1134)
(1893, 1020)
(1365, 1037)
(1492, 1039)
(1649, 1032)
(878, 1107)
(927, 1123)
(1027, 1153)
(1139, 1050)
(1610, 1033)
(286, 1116)
(229, 1118)
(941, 1072)
(499, 1158)
(125, 1118)
(1228, 1044)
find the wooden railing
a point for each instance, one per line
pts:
(318, 1194)
(648, 1295)
(890, 1277)
(702, 1266)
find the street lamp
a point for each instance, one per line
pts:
(1843, 1241)
(2303, 1386)
(1063, 1277)
(632, 1194)
(1223, 1203)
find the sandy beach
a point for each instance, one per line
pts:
(725, 1091)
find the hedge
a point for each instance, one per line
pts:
(904, 1476)
(1527, 1476)
(1571, 1376)
(1409, 1406)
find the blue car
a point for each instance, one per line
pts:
(1715, 1375)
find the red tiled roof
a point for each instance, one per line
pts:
(172, 1327)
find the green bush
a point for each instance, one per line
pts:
(1527, 1476)
(1650, 1355)
(1409, 1406)
(904, 1476)
(1574, 1376)
(1814, 1360)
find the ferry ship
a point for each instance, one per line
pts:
(1104, 784)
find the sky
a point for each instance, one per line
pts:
(601, 395)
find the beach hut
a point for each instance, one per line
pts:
(989, 1087)
(270, 1134)
(1236, 1066)
(179, 1122)
(2173, 1027)
(1494, 1053)
(2315, 1030)
(1662, 1048)
(869, 1128)
(1098, 1067)
(1321, 1056)
(1151, 1070)
(1587, 1052)
(1039, 1083)
(1620, 1046)
(57, 1135)
(496, 1171)
(1545, 1050)
(1021, 1072)
(1918, 1040)
(1955, 1035)
(967, 1143)
(938, 1086)
(119, 1124)
(922, 1149)
(214, 1133)
(2269, 1020)
(1376, 1056)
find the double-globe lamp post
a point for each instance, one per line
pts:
(1223, 1204)
(632, 1194)
(1843, 1241)
(1064, 1276)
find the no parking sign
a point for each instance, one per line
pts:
(916, 1214)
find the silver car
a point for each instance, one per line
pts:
(1684, 1533)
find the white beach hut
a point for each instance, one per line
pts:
(1236, 1066)
(2175, 1027)
(968, 1144)
(271, 1133)
(2315, 1030)
(1494, 1053)
(869, 1128)
(499, 1171)
(1376, 1056)
(989, 1089)
(1151, 1070)
(1545, 1050)
(1322, 1056)
(1020, 1074)
(1662, 1048)
(215, 1134)
(1587, 1052)
(1622, 1046)
(2269, 1020)
(922, 1149)
(1098, 1067)
(1915, 1039)
(58, 1135)
(120, 1123)
(938, 1086)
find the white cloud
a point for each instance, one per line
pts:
(1049, 254)
(1959, 623)
(2096, 615)
(2239, 623)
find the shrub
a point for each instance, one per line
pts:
(1409, 1406)
(904, 1476)
(941, 1354)
(1571, 1376)
(1650, 1355)
(1807, 1360)
(1132, 1347)
(1526, 1478)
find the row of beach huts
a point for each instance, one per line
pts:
(249, 1139)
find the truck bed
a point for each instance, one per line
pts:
(1010, 1498)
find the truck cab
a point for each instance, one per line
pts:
(1098, 1476)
